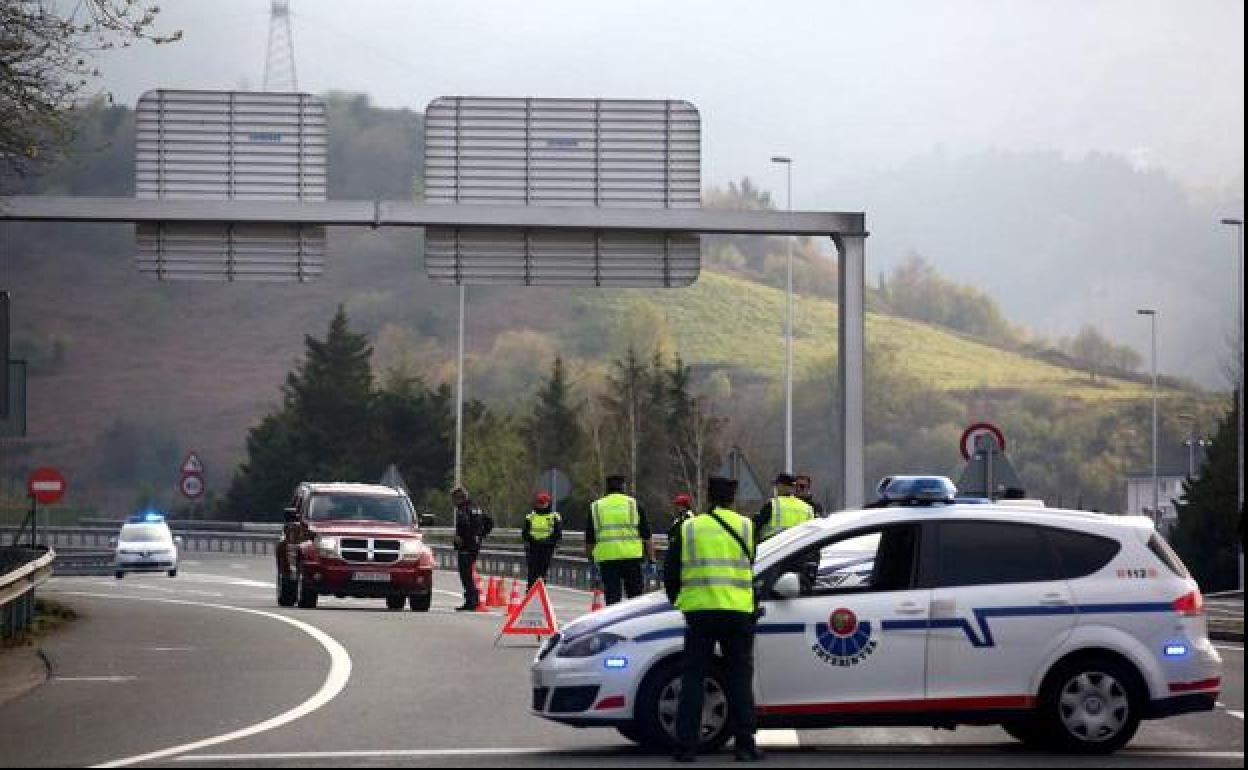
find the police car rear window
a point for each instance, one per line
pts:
(1162, 550)
(1082, 554)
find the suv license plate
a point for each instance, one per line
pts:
(371, 577)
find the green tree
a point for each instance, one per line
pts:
(411, 426)
(553, 425)
(322, 430)
(1209, 527)
(496, 467)
(46, 58)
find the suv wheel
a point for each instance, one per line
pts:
(305, 593)
(1090, 706)
(420, 602)
(286, 591)
(395, 602)
(119, 574)
(173, 572)
(658, 702)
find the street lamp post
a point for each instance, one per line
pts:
(1238, 224)
(459, 392)
(1152, 314)
(788, 319)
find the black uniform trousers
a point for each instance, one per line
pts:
(734, 631)
(538, 556)
(620, 574)
(466, 560)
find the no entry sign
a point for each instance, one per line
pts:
(191, 485)
(972, 433)
(46, 485)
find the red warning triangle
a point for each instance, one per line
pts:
(536, 618)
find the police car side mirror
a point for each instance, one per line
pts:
(789, 586)
(291, 514)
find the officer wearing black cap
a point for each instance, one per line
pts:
(783, 511)
(617, 536)
(709, 576)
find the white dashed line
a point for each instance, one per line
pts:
(300, 756)
(106, 679)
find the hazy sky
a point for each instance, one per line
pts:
(846, 88)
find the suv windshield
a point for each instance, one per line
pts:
(352, 507)
(144, 533)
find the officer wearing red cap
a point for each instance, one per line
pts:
(541, 533)
(682, 511)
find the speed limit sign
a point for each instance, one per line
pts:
(191, 485)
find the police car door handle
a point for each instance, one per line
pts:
(1054, 600)
(910, 608)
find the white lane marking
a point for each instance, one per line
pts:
(1229, 647)
(169, 649)
(335, 681)
(1168, 754)
(110, 679)
(778, 739)
(363, 754)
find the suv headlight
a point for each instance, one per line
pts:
(327, 546)
(589, 646)
(411, 549)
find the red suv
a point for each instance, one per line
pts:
(360, 540)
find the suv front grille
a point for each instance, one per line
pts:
(367, 550)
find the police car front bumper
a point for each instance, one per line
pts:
(144, 562)
(583, 692)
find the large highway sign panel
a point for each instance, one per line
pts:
(572, 153)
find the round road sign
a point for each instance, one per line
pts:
(191, 485)
(47, 485)
(969, 436)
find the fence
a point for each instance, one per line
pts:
(21, 570)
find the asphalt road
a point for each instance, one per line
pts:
(205, 670)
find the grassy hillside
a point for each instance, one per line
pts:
(730, 321)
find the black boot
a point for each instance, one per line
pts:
(682, 754)
(748, 752)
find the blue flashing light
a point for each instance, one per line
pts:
(1176, 650)
(617, 662)
(148, 515)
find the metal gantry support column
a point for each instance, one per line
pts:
(851, 359)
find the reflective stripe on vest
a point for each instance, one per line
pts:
(617, 525)
(715, 574)
(542, 525)
(787, 512)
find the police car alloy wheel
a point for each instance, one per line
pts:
(658, 704)
(1091, 706)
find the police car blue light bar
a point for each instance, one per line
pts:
(915, 490)
(145, 516)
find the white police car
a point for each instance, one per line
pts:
(1066, 628)
(145, 544)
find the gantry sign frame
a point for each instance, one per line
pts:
(846, 229)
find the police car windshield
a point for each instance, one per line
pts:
(144, 533)
(349, 507)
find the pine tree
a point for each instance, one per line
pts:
(1209, 527)
(553, 426)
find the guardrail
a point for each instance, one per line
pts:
(21, 570)
(89, 551)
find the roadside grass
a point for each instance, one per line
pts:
(49, 617)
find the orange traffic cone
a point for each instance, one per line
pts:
(515, 601)
(596, 602)
(481, 605)
(493, 593)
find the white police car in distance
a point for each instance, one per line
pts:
(145, 544)
(1066, 628)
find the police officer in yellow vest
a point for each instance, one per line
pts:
(542, 530)
(709, 576)
(783, 511)
(617, 536)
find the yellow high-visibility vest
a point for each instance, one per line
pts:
(715, 572)
(542, 525)
(786, 512)
(617, 524)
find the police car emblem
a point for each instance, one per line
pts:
(843, 641)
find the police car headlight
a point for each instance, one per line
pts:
(327, 546)
(589, 646)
